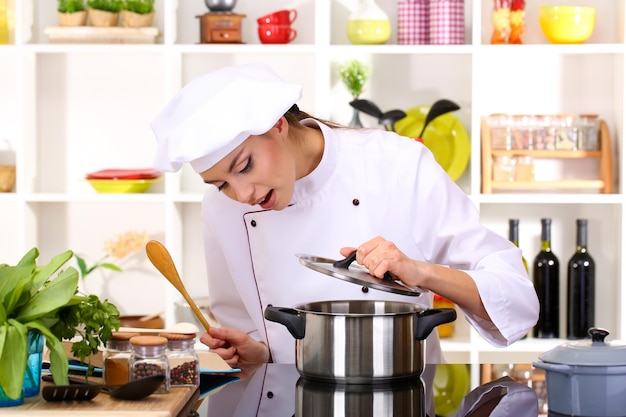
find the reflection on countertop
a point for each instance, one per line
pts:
(278, 390)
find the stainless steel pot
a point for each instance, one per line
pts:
(360, 341)
(586, 378)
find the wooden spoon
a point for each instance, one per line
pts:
(161, 259)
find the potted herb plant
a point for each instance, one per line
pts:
(45, 300)
(137, 13)
(71, 13)
(354, 75)
(104, 13)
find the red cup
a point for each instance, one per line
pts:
(276, 33)
(280, 17)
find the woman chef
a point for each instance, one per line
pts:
(284, 183)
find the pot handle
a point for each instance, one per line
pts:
(429, 319)
(289, 317)
(555, 367)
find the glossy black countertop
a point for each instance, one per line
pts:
(277, 390)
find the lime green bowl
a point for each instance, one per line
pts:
(121, 186)
(567, 24)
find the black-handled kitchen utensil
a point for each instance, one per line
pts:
(438, 108)
(136, 389)
(387, 119)
(83, 392)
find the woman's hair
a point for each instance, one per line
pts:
(294, 115)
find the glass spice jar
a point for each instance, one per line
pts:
(148, 358)
(545, 132)
(566, 132)
(589, 135)
(524, 169)
(183, 359)
(523, 131)
(116, 359)
(500, 129)
(503, 168)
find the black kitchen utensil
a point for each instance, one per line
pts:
(438, 108)
(345, 269)
(83, 392)
(387, 119)
(133, 390)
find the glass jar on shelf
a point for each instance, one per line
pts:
(524, 168)
(545, 132)
(566, 132)
(500, 129)
(148, 358)
(504, 168)
(589, 136)
(523, 131)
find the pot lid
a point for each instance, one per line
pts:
(589, 352)
(357, 274)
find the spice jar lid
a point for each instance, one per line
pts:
(123, 335)
(178, 336)
(148, 341)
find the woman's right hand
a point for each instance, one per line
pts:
(235, 347)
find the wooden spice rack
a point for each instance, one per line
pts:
(604, 182)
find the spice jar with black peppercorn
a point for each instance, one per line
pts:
(183, 359)
(116, 359)
(149, 358)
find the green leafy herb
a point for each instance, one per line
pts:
(354, 75)
(46, 299)
(139, 6)
(70, 6)
(107, 5)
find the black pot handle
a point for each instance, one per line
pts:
(289, 317)
(427, 320)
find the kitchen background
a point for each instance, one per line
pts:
(70, 109)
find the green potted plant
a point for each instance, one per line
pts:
(137, 13)
(71, 13)
(354, 75)
(104, 13)
(45, 300)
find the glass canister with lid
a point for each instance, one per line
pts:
(183, 359)
(116, 359)
(148, 358)
(566, 132)
(589, 135)
(522, 131)
(500, 129)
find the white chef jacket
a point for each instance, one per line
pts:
(369, 183)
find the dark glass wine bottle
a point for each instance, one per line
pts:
(546, 280)
(514, 237)
(581, 280)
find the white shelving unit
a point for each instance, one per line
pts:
(73, 109)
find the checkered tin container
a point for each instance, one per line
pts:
(447, 22)
(413, 22)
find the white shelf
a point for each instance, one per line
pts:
(71, 109)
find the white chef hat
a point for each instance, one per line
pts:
(214, 113)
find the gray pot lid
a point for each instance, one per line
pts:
(589, 352)
(343, 269)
